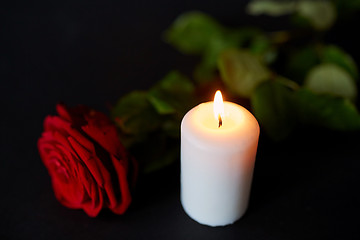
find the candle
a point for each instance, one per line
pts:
(218, 148)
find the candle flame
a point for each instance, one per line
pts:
(218, 107)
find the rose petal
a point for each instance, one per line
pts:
(103, 132)
(125, 200)
(89, 160)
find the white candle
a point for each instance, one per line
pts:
(218, 152)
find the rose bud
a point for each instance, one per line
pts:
(89, 167)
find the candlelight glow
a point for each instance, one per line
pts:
(218, 107)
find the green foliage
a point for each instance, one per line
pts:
(273, 106)
(325, 110)
(129, 112)
(319, 14)
(333, 54)
(270, 7)
(241, 71)
(172, 94)
(143, 116)
(191, 32)
(300, 62)
(319, 88)
(199, 34)
(331, 79)
(280, 108)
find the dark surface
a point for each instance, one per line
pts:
(304, 188)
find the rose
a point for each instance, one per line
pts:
(89, 167)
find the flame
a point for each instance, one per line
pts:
(219, 107)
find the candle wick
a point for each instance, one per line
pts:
(220, 121)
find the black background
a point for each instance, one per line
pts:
(93, 53)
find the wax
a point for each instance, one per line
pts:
(217, 163)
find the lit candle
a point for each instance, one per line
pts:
(218, 148)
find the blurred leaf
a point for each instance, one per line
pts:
(134, 114)
(241, 71)
(158, 100)
(321, 14)
(270, 7)
(333, 54)
(217, 44)
(173, 94)
(325, 110)
(192, 31)
(205, 71)
(198, 33)
(300, 62)
(260, 44)
(272, 103)
(149, 122)
(255, 40)
(331, 79)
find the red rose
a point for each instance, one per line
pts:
(89, 167)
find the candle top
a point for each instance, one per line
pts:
(239, 126)
(230, 118)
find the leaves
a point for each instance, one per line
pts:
(328, 111)
(320, 14)
(270, 7)
(272, 103)
(333, 54)
(317, 91)
(279, 109)
(242, 71)
(192, 31)
(331, 79)
(172, 94)
(300, 62)
(199, 34)
(134, 114)
(143, 116)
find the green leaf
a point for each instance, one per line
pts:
(328, 111)
(321, 14)
(172, 94)
(242, 71)
(270, 7)
(176, 83)
(253, 39)
(158, 100)
(205, 71)
(134, 115)
(273, 105)
(260, 44)
(192, 31)
(333, 54)
(216, 45)
(300, 62)
(331, 79)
